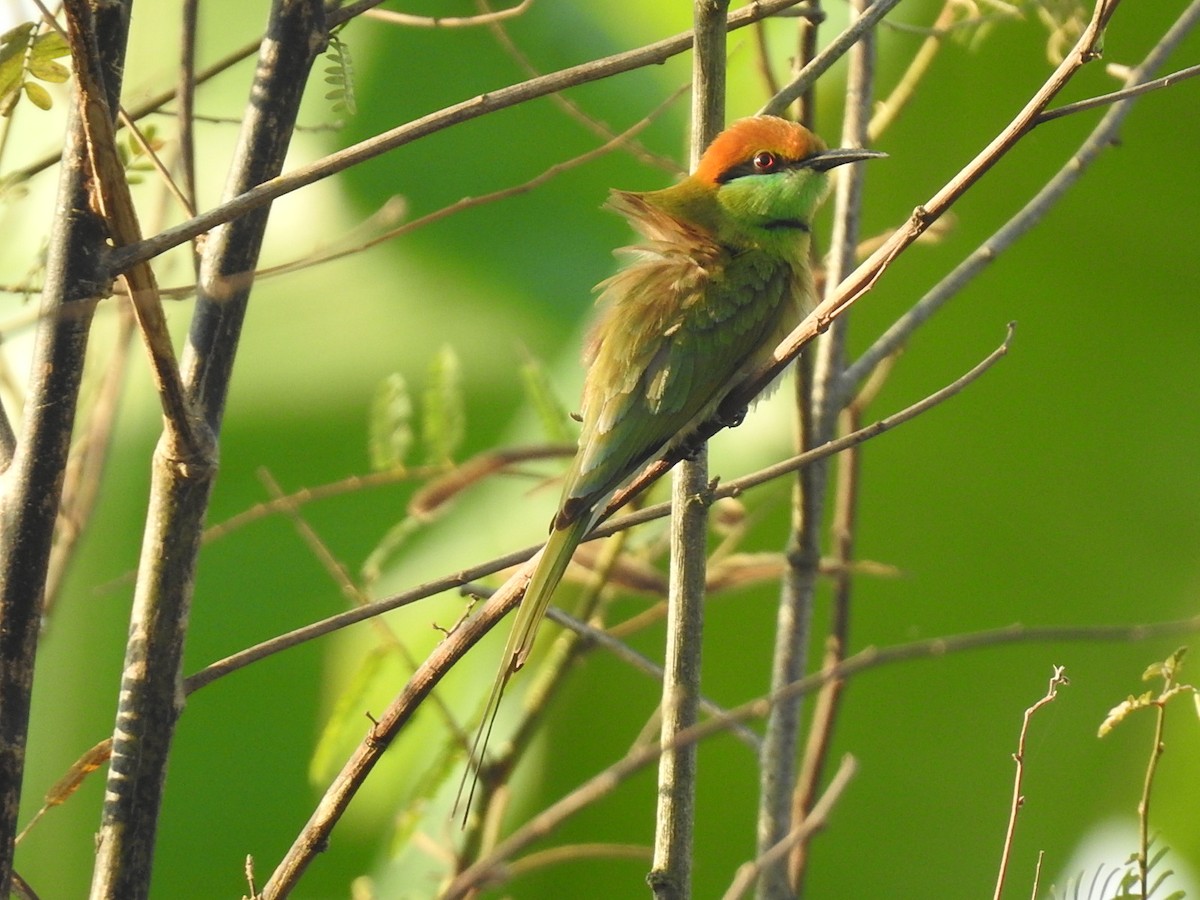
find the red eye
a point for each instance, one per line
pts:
(765, 161)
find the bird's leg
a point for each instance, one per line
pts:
(690, 448)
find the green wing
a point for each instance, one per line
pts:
(684, 319)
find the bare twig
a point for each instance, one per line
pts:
(670, 876)
(639, 757)
(835, 50)
(777, 810)
(615, 142)
(116, 204)
(1100, 139)
(570, 107)
(1136, 89)
(729, 489)
(454, 114)
(891, 106)
(1057, 680)
(864, 277)
(827, 704)
(816, 819)
(411, 21)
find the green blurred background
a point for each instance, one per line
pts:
(1061, 489)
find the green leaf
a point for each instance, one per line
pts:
(50, 45)
(13, 44)
(545, 401)
(444, 416)
(15, 41)
(49, 70)
(38, 95)
(389, 432)
(340, 72)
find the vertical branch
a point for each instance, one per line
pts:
(8, 439)
(808, 27)
(820, 400)
(829, 401)
(31, 486)
(187, 96)
(670, 875)
(183, 476)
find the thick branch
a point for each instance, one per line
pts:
(31, 487)
(182, 480)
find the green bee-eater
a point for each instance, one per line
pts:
(720, 279)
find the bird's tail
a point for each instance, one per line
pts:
(548, 572)
(556, 556)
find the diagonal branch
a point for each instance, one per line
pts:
(181, 482)
(31, 487)
(473, 108)
(317, 831)
(864, 277)
(728, 489)
(116, 205)
(1100, 139)
(642, 756)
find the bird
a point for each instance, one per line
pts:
(720, 278)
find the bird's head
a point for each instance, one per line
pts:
(767, 176)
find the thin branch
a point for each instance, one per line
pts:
(340, 575)
(316, 832)
(670, 876)
(816, 820)
(827, 57)
(640, 663)
(1136, 89)
(864, 277)
(1057, 680)
(827, 704)
(410, 21)
(185, 120)
(616, 142)
(1099, 140)
(570, 107)
(641, 756)
(917, 69)
(159, 166)
(729, 489)
(502, 98)
(116, 204)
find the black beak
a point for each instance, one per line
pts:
(822, 162)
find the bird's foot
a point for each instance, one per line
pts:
(732, 418)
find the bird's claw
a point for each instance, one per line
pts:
(732, 418)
